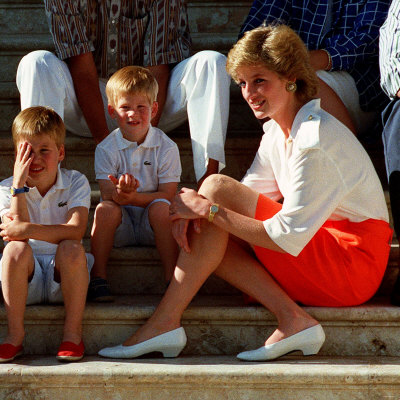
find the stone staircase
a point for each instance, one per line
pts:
(361, 356)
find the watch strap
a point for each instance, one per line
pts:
(213, 210)
(15, 191)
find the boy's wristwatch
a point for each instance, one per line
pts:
(15, 191)
(213, 210)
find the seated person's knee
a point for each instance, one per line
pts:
(70, 250)
(108, 211)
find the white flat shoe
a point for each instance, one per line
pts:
(308, 341)
(170, 344)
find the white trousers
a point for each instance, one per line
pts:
(198, 91)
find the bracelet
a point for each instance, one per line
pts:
(329, 66)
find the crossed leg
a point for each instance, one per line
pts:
(212, 251)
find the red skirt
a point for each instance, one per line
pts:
(342, 265)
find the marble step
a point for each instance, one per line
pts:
(203, 378)
(239, 153)
(216, 325)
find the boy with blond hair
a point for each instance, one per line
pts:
(138, 169)
(44, 212)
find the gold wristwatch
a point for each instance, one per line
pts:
(213, 210)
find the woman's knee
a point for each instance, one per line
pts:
(214, 185)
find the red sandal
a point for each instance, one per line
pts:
(69, 351)
(8, 352)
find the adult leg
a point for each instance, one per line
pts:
(199, 88)
(44, 80)
(391, 143)
(17, 269)
(211, 253)
(332, 103)
(71, 270)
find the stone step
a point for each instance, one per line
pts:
(203, 378)
(239, 153)
(216, 325)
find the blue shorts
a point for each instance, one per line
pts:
(135, 228)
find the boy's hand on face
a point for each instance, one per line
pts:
(14, 230)
(23, 160)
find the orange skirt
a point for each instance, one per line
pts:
(342, 265)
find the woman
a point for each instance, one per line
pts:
(326, 244)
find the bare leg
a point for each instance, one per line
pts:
(332, 103)
(17, 270)
(212, 168)
(106, 220)
(71, 270)
(166, 244)
(210, 253)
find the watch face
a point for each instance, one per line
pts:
(214, 208)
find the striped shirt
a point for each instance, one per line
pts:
(348, 30)
(120, 32)
(389, 51)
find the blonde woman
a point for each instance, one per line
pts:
(307, 225)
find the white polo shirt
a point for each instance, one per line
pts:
(154, 161)
(322, 172)
(71, 190)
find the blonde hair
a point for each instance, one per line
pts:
(132, 80)
(280, 50)
(36, 121)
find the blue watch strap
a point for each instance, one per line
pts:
(15, 191)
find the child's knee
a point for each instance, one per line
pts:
(70, 252)
(158, 211)
(18, 253)
(109, 212)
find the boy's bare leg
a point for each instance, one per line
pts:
(107, 218)
(71, 271)
(17, 268)
(166, 244)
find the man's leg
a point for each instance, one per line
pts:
(44, 80)
(199, 88)
(391, 144)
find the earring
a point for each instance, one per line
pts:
(291, 86)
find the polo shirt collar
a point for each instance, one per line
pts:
(308, 110)
(150, 141)
(61, 182)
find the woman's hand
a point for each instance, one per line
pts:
(188, 204)
(179, 231)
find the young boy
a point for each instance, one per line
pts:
(138, 169)
(44, 211)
